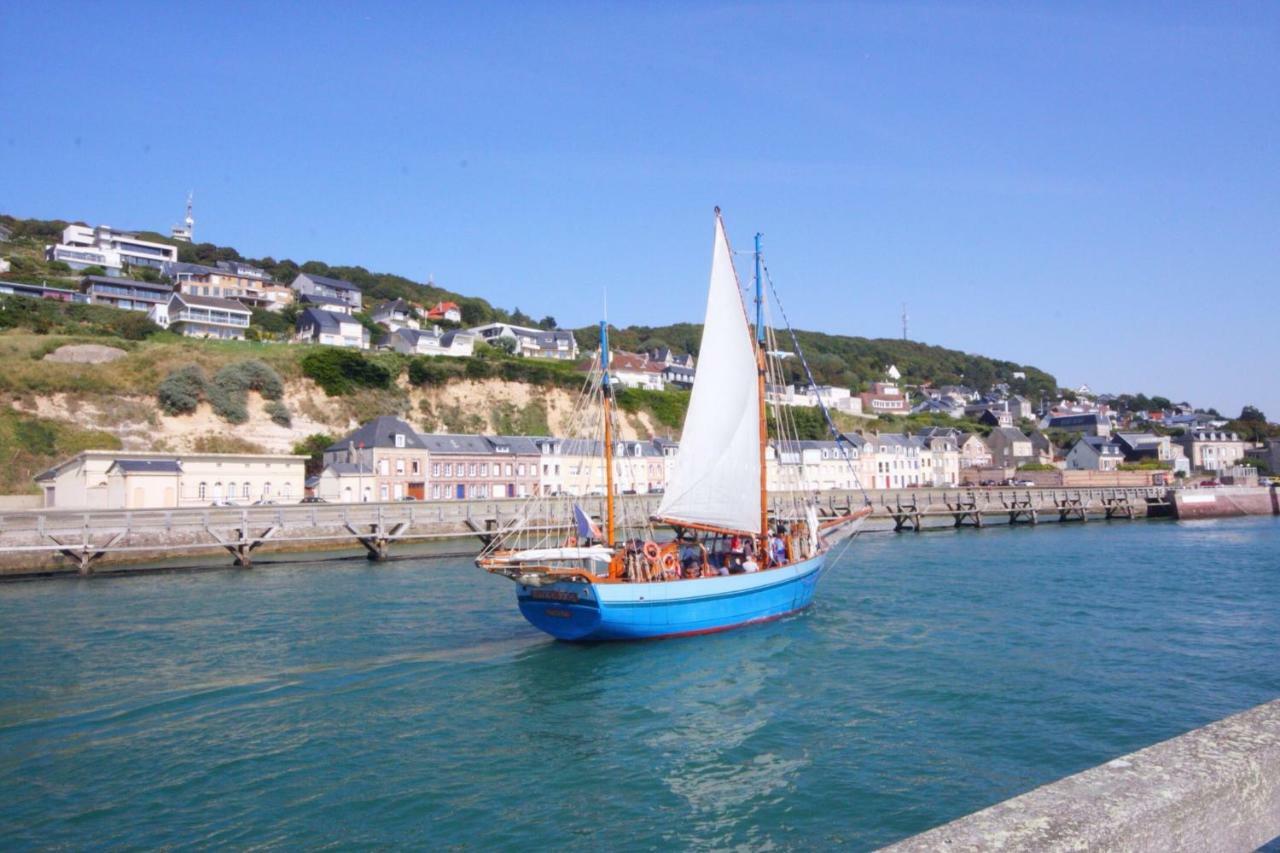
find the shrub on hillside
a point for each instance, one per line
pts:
(229, 391)
(279, 413)
(341, 371)
(181, 390)
(133, 326)
(425, 370)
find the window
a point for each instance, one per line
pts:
(509, 469)
(415, 467)
(201, 491)
(231, 490)
(435, 469)
(382, 491)
(399, 491)
(266, 490)
(399, 467)
(384, 467)
(435, 491)
(473, 469)
(520, 469)
(245, 493)
(484, 469)
(448, 469)
(399, 439)
(287, 491)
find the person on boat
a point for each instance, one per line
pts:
(778, 547)
(749, 564)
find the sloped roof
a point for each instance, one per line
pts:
(212, 302)
(335, 283)
(379, 432)
(327, 320)
(146, 466)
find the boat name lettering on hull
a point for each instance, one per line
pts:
(554, 595)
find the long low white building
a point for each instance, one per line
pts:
(111, 479)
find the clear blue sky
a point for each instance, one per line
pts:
(1093, 188)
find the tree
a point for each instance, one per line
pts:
(520, 318)
(507, 345)
(313, 447)
(1251, 413)
(548, 322)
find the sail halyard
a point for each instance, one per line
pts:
(717, 480)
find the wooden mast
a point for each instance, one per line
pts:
(606, 393)
(764, 425)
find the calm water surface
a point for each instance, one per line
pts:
(343, 704)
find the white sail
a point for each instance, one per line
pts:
(716, 477)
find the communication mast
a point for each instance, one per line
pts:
(187, 231)
(904, 321)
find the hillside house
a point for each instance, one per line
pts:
(83, 246)
(396, 314)
(124, 293)
(202, 317)
(409, 341)
(531, 343)
(309, 284)
(328, 327)
(445, 312)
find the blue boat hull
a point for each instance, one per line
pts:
(590, 612)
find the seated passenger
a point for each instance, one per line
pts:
(749, 565)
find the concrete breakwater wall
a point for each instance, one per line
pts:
(1226, 501)
(57, 541)
(1215, 788)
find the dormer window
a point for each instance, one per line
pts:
(399, 439)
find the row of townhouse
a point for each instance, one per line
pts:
(386, 459)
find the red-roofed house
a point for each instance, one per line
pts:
(445, 312)
(633, 370)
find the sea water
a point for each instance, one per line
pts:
(315, 703)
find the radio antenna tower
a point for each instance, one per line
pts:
(904, 321)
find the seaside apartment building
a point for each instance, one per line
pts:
(1212, 450)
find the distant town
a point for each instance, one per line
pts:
(999, 437)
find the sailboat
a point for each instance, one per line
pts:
(724, 548)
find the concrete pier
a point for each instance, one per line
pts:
(1216, 788)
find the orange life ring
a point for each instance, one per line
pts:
(651, 551)
(669, 562)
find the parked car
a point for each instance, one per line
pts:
(223, 503)
(313, 499)
(264, 502)
(408, 498)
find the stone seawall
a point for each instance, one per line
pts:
(1225, 502)
(1213, 789)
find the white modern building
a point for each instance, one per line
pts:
(534, 343)
(83, 246)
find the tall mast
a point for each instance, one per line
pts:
(760, 371)
(605, 394)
